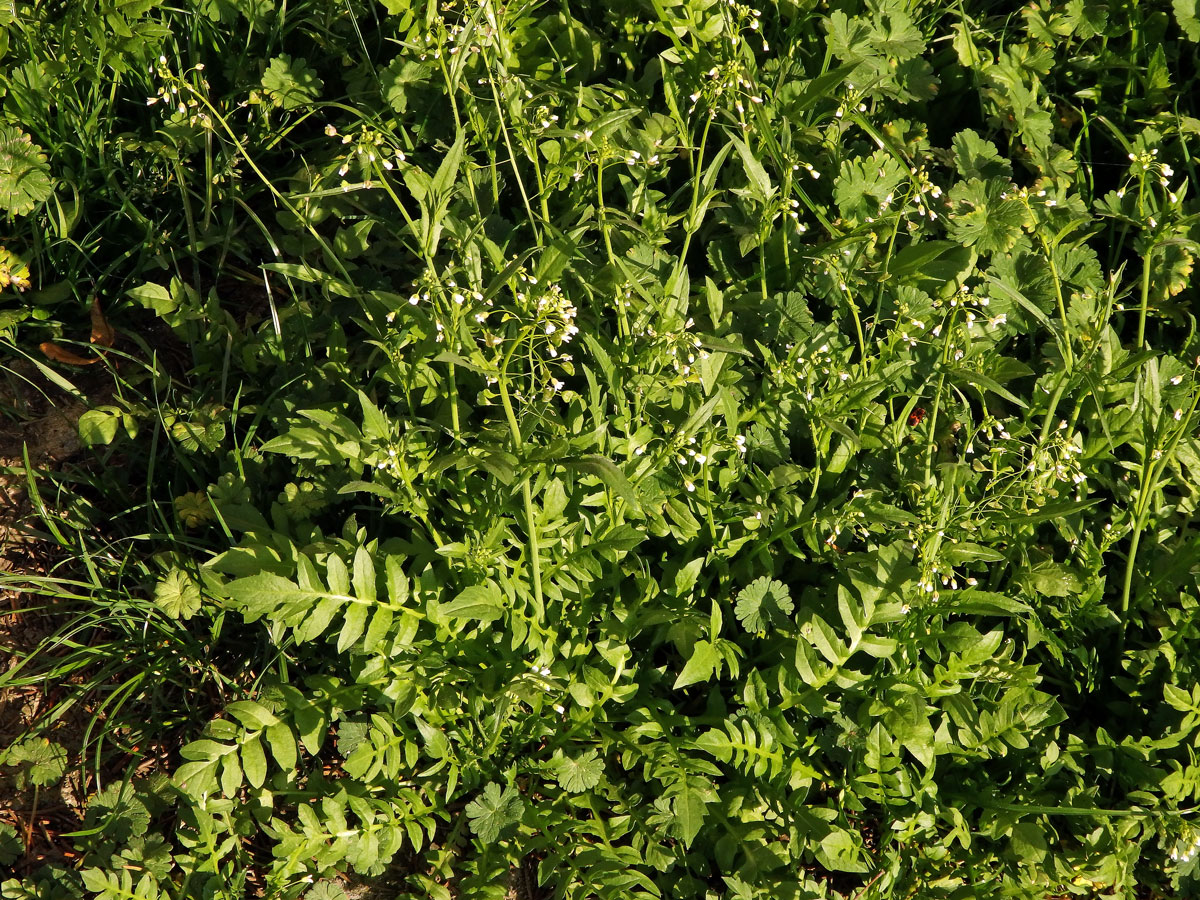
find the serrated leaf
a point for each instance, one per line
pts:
(977, 158)
(691, 808)
(40, 760)
(375, 423)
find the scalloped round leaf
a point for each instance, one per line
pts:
(987, 215)
(1171, 271)
(578, 774)
(763, 603)
(177, 595)
(24, 174)
(494, 812)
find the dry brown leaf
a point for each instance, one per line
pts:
(102, 335)
(102, 332)
(58, 354)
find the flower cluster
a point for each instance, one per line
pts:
(1191, 847)
(365, 148)
(178, 94)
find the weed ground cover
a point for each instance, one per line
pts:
(679, 449)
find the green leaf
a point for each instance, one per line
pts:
(762, 604)
(690, 806)
(12, 847)
(494, 812)
(177, 595)
(979, 159)
(838, 851)
(265, 592)
(982, 381)
(398, 79)
(1029, 843)
(987, 215)
(759, 180)
(24, 174)
(364, 575)
(254, 762)
(608, 472)
(291, 83)
(701, 665)
(909, 724)
(375, 423)
(98, 427)
(479, 601)
(448, 169)
(578, 774)
(40, 760)
(1187, 14)
(283, 746)
(251, 714)
(354, 623)
(1050, 579)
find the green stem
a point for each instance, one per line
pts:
(696, 179)
(622, 323)
(535, 562)
(1151, 470)
(1145, 300)
(1068, 354)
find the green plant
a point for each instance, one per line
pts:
(659, 455)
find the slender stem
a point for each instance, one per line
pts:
(696, 179)
(1145, 302)
(535, 562)
(622, 323)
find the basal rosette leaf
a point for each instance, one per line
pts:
(987, 215)
(291, 83)
(177, 595)
(1171, 269)
(494, 812)
(764, 603)
(24, 174)
(865, 187)
(576, 774)
(975, 157)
